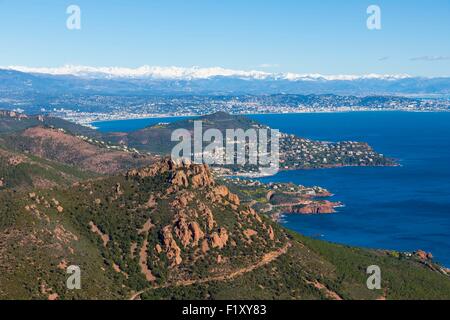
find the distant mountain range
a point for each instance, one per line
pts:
(174, 80)
(173, 73)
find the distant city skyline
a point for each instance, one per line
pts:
(301, 37)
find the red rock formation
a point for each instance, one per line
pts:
(271, 233)
(182, 231)
(249, 233)
(221, 191)
(15, 161)
(171, 247)
(219, 240)
(202, 177)
(180, 179)
(206, 212)
(234, 199)
(314, 207)
(197, 233)
(205, 246)
(422, 255)
(160, 167)
(181, 174)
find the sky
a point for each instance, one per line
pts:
(326, 37)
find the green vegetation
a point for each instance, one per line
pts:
(195, 237)
(341, 269)
(34, 233)
(21, 171)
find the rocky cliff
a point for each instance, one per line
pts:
(205, 221)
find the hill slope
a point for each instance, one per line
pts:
(56, 145)
(40, 151)
(170, 231)
(11, 121)
(295, 152)
(24, 171)
(157, 139)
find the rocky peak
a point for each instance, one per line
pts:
(12, 114)
(180, 173)
(204, 223)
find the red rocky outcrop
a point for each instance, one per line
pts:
(422, 255)
(315, 207)
(219, 239)
(171, 247)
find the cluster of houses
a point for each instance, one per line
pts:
(297, 152)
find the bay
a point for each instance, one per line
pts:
(400, 208)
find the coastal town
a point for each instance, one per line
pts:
(300, 153)
(294, 152)
(85, 109)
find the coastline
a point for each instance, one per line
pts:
(90, 123)
(259, 176)
(391, 240)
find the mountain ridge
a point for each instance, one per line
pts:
(16, 83)
(171, 231)
(182, 73)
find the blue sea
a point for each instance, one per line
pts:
(400, 208)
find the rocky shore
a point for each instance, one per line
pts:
(310, 207)
(276, 199)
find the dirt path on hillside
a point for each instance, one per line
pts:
(266, 259)
(329, 293)
(143, 262)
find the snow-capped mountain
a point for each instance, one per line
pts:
(195, 80)
(192, 73)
